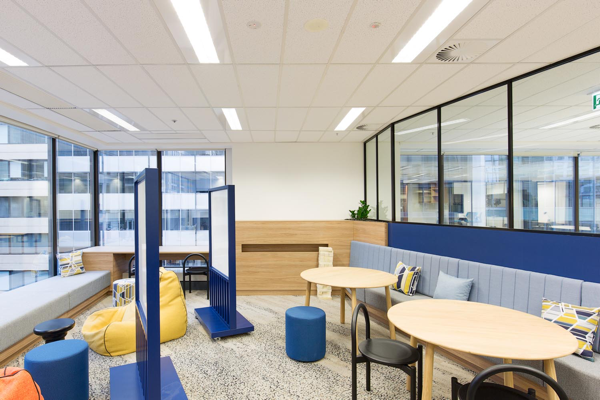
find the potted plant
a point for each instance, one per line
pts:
(362, 213)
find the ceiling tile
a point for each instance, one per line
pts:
(461, 83)
(499, 18)
(302, 46)
(408, 111)
(51, 82)
(177, 81)
(381, 115)
(87, 119)
(135, 81)
(563, 18)
(15, 100)
(153, 135)
(511, 72)
(379, 83)
(139, 28)
(263, 136)
(357, 136)
(122, 137)
(16, 86)
(102, 137)
(216, 136)
(286, 136)
(75, 24)
(291, 119)
(92, 81)
(333, 136)
(262, 45)
(24, 32)
(61, 119)
(169, 115)
(144, 118)
(203, 118)
(319, 119)
(239, 136)
(423, 80)
(363, 44)
(261, 119)
(299, 84)
(219, 84)
(259, 84)
(309, 136)
(339, 83)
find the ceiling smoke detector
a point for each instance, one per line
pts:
(462, 51)
(253, 24)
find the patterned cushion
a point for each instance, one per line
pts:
(408, 277)
(582, 322)
(70, 264)
(123, 292)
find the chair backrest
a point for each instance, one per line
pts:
(359, 307)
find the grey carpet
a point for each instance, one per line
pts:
(255, 365)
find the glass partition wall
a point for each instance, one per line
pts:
(524, 154)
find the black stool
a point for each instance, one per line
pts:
(189, 271)
(478, 390)
(54, 329)
(387, 352)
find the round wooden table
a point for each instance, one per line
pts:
(481, 329)
(350, 278)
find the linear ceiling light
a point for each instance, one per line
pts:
(435, 24)
(112, 117)
(478, 138)
(196, 28)
(572, 120)
(232, 119)
(424, 128)
(349, 118)
(11, 60)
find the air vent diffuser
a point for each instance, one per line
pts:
(368, 127)
(462, 51)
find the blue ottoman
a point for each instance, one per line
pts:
(61, 369)
(305, 333)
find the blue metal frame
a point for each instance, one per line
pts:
(221, 318)
(144, 379)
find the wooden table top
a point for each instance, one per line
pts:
(161, 250)
(483, 329)
(349, 277)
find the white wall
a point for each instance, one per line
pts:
(297, 181)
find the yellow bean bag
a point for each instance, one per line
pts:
(111, 332)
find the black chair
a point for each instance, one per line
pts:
(190, 271)
(387, 352)
(478, 390)
(131, 269)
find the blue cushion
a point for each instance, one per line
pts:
(451, 288)
(61, 369)
(305, 333)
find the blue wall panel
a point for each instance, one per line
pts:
(572, 256)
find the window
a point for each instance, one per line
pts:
(475, 148)
(384, 175)
(24, 193)
(117, 172)
(371, 177)
(74, 199)
(185, 211)
(417, 169)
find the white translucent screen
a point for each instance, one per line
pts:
(141, 232)
(219, 231)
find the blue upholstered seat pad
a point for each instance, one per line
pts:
(305, 313)
(55, 351)
(23, 308)
(507, 287)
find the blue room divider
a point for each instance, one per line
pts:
(150, 377)
(221, 318)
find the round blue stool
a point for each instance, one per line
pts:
(305, 333)
(61, 369)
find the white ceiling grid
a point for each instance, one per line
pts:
(287, 84)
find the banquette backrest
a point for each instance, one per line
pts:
(507, 287)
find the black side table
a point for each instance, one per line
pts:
(54, 330)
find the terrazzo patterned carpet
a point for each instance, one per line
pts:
(255, 366)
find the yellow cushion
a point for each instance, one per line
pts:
(408, 278)
(111, 332)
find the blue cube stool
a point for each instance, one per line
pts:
(61, 369)
(305, 333)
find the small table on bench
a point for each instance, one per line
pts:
(350, 278)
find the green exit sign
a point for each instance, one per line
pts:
(596, 101)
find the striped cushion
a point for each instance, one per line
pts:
(408, 277)
(70, 264)
(582, 322)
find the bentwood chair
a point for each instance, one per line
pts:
(386, 352)
(478, 390)
(195, 270)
